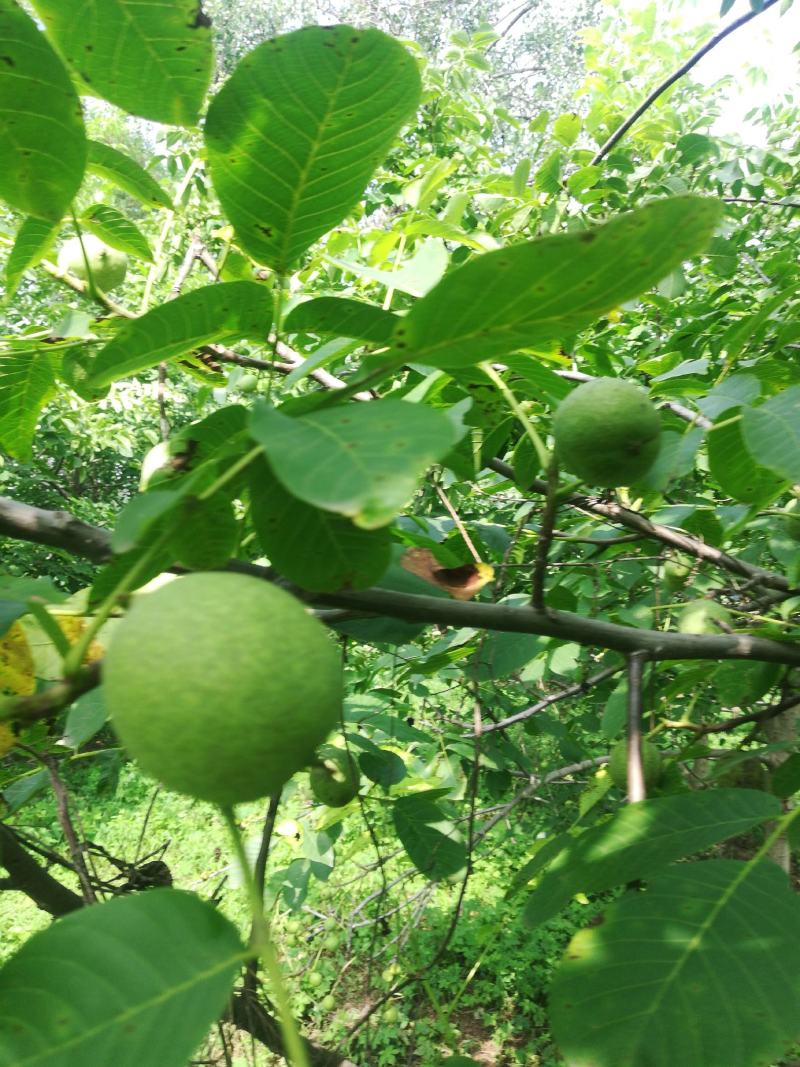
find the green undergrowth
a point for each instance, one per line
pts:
(486, 994)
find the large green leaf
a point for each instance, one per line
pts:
(541, 292)
(27, 381)
(701, 969)
(214, 313)
(341, 317)
(772, 433)
(112, 227)
(362, 460)
(42, 139)
(127, 174)
(137, 980)
(150, 58)
(297, 131)
(31, 243)
(315, 549)
(733, 468)
(643, 837)
(431, 840)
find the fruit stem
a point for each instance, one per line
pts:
(262, 944)
(513, 403)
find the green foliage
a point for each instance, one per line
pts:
(297, 378)
(112, 948)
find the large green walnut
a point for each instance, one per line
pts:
(334, 780)
(222, 686)
(651, 764)
(109, 266)
(607, 432)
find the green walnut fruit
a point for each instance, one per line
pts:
(315, 979)
(328, 1003)
(607, 432)
(109, 266)
(222, 686)
(700, 616)
(618, 764)
(676, 572)
(334, 780)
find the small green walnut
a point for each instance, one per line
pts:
(108, 265)
(607, 432)
(651, 764)
(335, 779)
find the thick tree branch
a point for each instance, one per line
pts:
(58, 529)
(676, 75)
(50, 702)
(26, 876)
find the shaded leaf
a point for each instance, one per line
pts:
(42, 139)
(138, 979)
(27, 381)
(31, 243)
(362, 460)
(221, 313)
(643, 837)
(542, 291)
(126, 173)
(296, 132)
(317, 550)
(149, 58)
(700, 969)
(113, 228)
(342, 317)
(733, 468)
(85, 718)
(772, 433)
(431, 840)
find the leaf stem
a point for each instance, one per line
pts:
(513, 403)
(261, 943)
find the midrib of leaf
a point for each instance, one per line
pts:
(132, 1013)
(694, 943)
(132, 29)
(316, 146)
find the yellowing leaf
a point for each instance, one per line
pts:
(16, 664)
(7, 739)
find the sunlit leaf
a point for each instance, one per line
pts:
(31, 243)
(543, 291)
(219, 313)
(341, 317)
(126, 173)
(150, 58)
(112, 227)
(702, 968)
(42, 139)
(296, 132)
(27, 381)
(135, 980)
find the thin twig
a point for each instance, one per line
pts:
(545, 536)
(636, 784)
(458, 524)
(676, 75)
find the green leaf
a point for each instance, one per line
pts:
(416, 277)
(548, 177)
(214, 313)
(297, 131)
(362, 460)
(86, 717)
(30, 245)
(700, 969)
(544, 291)
(138, 979)
(643, 837)
(315, 549)
(733, 468)
(786, 777)
(149, 58)
(566, 129)
(341, 317)
(27, 381)
(772, 433)
(42, 139)
(431, 840)
(501, 655)
(113, 228)
(127, 174)
(207, 533)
